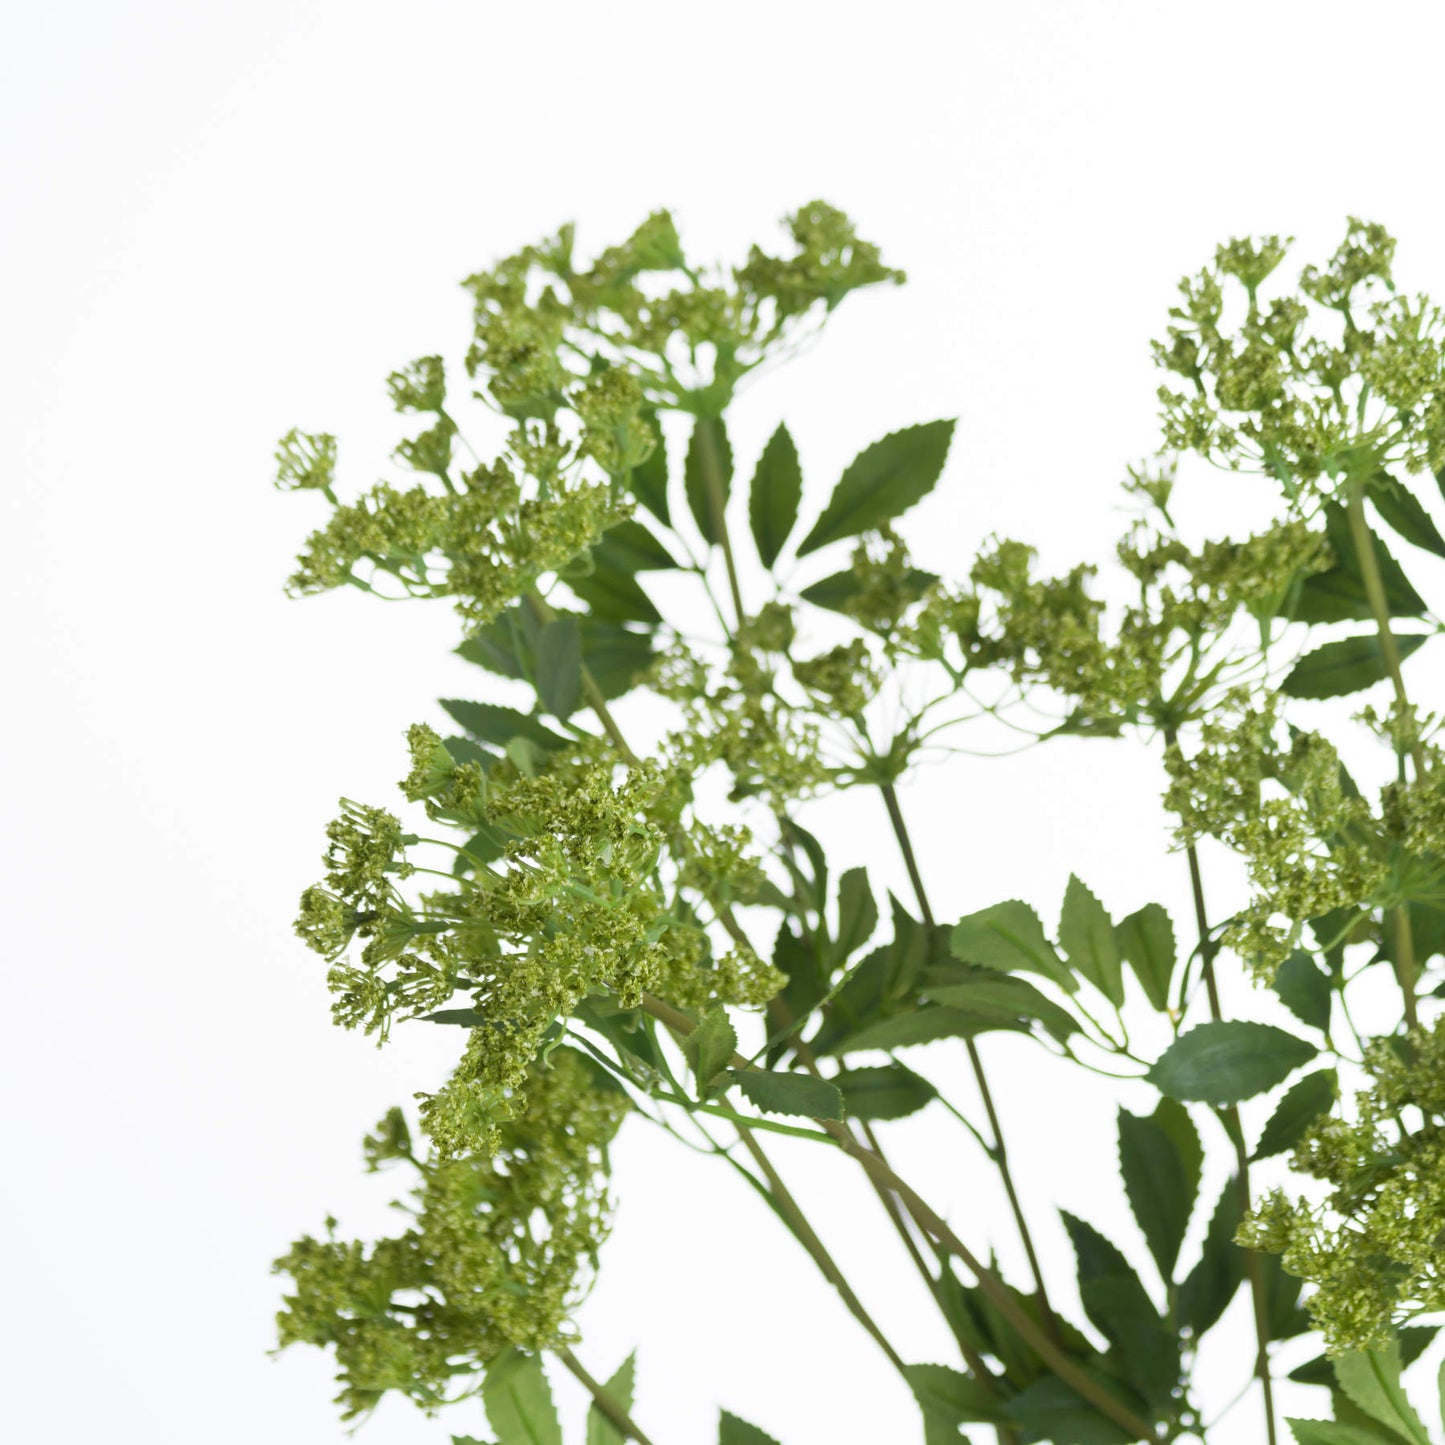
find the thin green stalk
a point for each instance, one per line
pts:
(998, 1151)
(934, 1225)
(1405, 965)
(607, 1405)
(1253, 1261)
(717, 510)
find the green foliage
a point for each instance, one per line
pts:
(627, 916)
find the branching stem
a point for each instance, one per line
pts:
(607, 1405)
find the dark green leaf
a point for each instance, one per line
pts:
(649, 480)
(798, 1094)
(615, 656)
(953, 1396)
(1086, 935)
(1318, 1371)
(1009, 936)
(1211, 1284)
(1304, 989)
(1225, 1063)
(559, 667)
(499, 725)
(710, 1048)
(994, 1000)
(884, 480)
(484, 846)
(630, 547)
(1050, 1410)
(1338, 594)
(1146, 939)
(773, 500)
(708, 476)
(1401, 509)
(837, 591)
(518, 1401)
(466, 1017)
(890, 1091)
(857, 914)
(1344, 667)
(1331, 1432)
(732, 1431)
(920, 1026)
(613, 594)
(1286, 1317)
(601, 1430)
(1161, 1184)
(464, 750)
(503, 645)
(1303, 1103)
(1371, 1379)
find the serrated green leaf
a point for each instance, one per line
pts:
(919, 1026)
(1401, 509)
(837, 591)
(1330, 1432)
(1340, 668)
(774, 496)
(649, 479)
(890, 1091)
(1146, 939)
(857, 914)
(953, 1396)
(1304, 989)
(499, 725)
(732, 1431)
(1009, 937)
(630, 547)
(708, 476)
(1338, 594)
(1228, 1062)
(601, 1430)
(1371, 1378)
(993, 999)
(881, 482)
(614, 594)
(1051, 1410)
(559, 667)
(710, 1048)
(1086, 934)
(1302, 1104)
(799, 1094)
(518, 1401)
(1211, 1284)
(1160, 1184)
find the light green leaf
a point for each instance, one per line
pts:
(891, 1091)
(1225, 1063)
(1303, 1103)
(710, 1048)
(559, 667)
(1346, 666)
(773, 500)
(732, 1431)
(708, 476)
(518, 1401)
(1330, 1432)
(1086, 934)
(601, 1430)
(857, 913)
(884, 480)
(798, 1094)
(1146, 939)
(1009, 936)
(1371, 1378)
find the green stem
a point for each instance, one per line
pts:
(998, 1150)
(606, 1404)
(1405, 964)
(933, 1224)
(1254, 1263)
(717, 509)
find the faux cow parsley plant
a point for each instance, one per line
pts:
(613, 947)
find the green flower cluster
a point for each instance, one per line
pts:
(1340, 378)
(494, 1257)
(1373, 1248)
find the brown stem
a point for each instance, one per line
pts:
(1254, 1263)
(1405, 966)
(607, 1404)
(933, 1224)
(998, 1151)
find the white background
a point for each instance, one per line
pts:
(224, 219)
